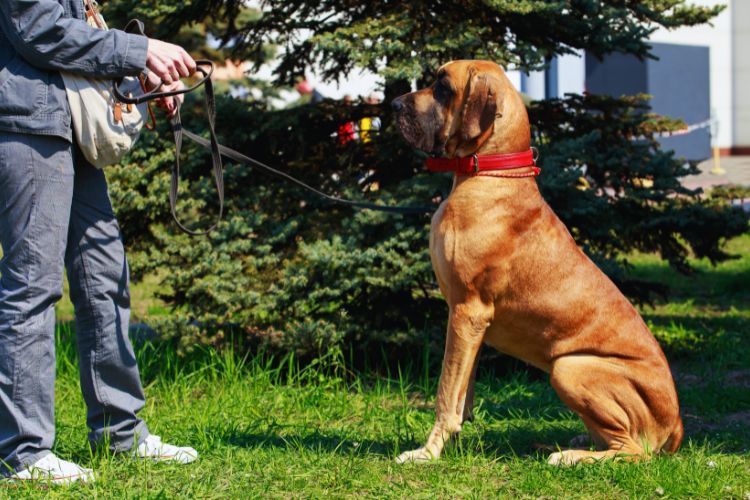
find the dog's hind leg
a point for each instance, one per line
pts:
(467, 324)
(616, 411)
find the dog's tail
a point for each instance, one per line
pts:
(675, 438)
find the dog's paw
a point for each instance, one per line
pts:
(420, 455)
(568, 458)
(558, 459)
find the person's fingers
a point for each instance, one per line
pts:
(152, 80)
(172, 105)
(169, 63)
(188, 61)
(181, 67)
(163, 67)
(156, 65)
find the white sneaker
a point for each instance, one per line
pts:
(154, 449)
(53, 470)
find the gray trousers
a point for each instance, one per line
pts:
(55, 214)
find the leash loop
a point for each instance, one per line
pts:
(155, 94)
(206, 68)
(213, 146)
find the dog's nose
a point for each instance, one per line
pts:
(397, 104)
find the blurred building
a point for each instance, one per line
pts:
(702, 75)
(232, 70)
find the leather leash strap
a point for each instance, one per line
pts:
(217, 150)
(240, 158)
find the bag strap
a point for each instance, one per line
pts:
(92, 12)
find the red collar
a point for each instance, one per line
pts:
(487, 165)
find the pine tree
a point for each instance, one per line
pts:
(303, 274)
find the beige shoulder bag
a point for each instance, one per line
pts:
(104, 128)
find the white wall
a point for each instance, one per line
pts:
(358, 83)
(571, 73)
(533, 84)
(515, 77)
(718, 38)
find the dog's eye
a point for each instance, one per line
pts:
(442, 90)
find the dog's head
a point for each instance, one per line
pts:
(469, 103)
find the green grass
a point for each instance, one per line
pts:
(270, 428)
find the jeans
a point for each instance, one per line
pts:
(55, 214)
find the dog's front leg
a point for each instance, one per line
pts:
(466, 327)
(468, 405)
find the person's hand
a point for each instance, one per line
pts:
(169, 104)
(169, 62)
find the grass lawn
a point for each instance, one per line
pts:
(274, 430)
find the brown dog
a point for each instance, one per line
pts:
(514, 278)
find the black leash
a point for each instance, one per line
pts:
(217, 150)
(240, 158)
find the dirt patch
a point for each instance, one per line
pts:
(734, 378)
(738, 378)
(689, 380)
(695, 424)
(418, 400)
(741, 418)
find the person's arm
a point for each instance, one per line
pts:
(41, 34)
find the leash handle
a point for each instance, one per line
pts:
(136, 26)
(205, 67)
(155, 94)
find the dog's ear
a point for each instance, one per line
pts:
(482, 104)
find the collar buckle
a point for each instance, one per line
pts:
(475, 157)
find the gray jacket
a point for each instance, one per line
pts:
(38, 38)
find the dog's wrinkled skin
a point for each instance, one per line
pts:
(514, 279)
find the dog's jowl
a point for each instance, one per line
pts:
(514, 279)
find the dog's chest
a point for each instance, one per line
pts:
(442, 246)
(462, 250)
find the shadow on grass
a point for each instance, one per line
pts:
(720, 287)
(315, 441)
(720, 340)
(523, 422)
(516, 440)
